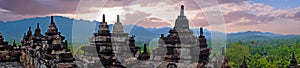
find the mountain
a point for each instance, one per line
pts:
(257, 35)
(13, 30)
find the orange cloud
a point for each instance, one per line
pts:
(198, 21)
(151, 22)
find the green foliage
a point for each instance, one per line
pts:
(236, 52)
(263, 54)
(76, 48)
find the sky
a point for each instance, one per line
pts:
(276, 16)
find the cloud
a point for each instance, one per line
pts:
(19, 9)
(236, 18)
(232, 1)
(119, 3)
(278, 13)
(6, 16)
(189, 4)
(246, 13)
(237, 12)
(133, 18)
(192, 4)
(291, 14)
(49, 7)
(54, 6)
(240, 12)
(244, 18)
(38, 7)
(150, 22)
(198, 21)
(297, 16)
(246, 6)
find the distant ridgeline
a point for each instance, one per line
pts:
(15, 29)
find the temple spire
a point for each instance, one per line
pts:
(38, 25)
(52, 29)
(145, 48)
(1, 37)
(244, 59)
(118, 19)
(103, 18)
(38, 30)
(52, 22)
(182, 10)
(29, 32)
(162, 35)
(244, 64)
(29, 29)
(293, 62)
(201, 31)
(145, 55)
(293, 55)
(52, 19)
(182, 23)
(118, 27)
(14, 43)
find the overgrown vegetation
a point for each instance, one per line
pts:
(263, 54)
